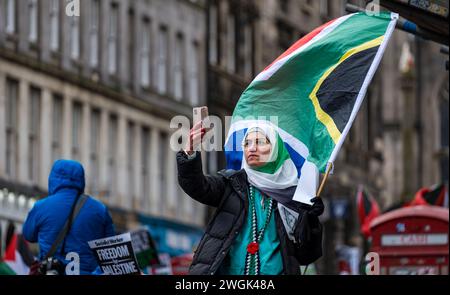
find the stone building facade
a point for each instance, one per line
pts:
(99, 83)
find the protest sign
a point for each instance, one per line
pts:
(165, 267)
(144, 248)
(115, 255)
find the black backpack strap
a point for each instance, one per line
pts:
(79, 202)
(77, 209)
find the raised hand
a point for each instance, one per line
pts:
(195, 138)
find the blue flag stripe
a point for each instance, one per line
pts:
(234, 155)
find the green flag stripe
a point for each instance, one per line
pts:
(295, 80)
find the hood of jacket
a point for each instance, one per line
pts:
(66, 174)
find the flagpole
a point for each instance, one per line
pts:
(322, 184)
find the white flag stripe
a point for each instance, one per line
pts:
(264, 75)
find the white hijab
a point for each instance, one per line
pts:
(284, 177)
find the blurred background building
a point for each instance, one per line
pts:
(102, 88)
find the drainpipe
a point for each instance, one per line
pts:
(418, 96)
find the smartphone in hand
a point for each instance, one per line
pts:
(201, 114)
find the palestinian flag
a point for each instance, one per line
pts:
(312, 93)
(368, 209)
(5, 269)
(436, 196)
(17, 254)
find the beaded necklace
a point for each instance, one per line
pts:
(252, 262)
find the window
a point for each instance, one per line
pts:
(181, 199)
(33, 21)
(112, 39)
(145, 168)
(444, 109)
(11, 116)
(194, 79)
(131, 48)
(94, 151)
(144, 54)
(76, 130)
(308, 7)
(248, 51)
(286, 35)
(34, 134)
(284, 6)
(365, 133)
(54, 25)
(10, 16)
(130, 161)
(344, 7)
(112, 154)
(163, 42)
(74, 37)
(371, 101)
(324, 8)
(213, 35)
(163, 148)
(57, 121)
(93, 33)
(231, 43)
(179, 68)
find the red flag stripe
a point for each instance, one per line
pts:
(302, 42)
(10, 252)
(365, 217)
(419, 197)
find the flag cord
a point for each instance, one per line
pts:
(322, 184)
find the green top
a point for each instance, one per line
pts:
(269, 248)
(5, 269)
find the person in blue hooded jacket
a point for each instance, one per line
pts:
(47, 217)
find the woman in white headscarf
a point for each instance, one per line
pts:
(257, 228)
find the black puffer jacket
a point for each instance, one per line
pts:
(227, 191)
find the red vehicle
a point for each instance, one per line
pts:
(412, 240)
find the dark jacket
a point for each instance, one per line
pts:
(228, 192)
(47, 217)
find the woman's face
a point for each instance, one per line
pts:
(257, 149)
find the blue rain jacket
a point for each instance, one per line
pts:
(47, 217)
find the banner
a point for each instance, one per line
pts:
(115, 255)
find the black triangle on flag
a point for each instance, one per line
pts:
(436, 196)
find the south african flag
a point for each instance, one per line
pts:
(314, 90)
